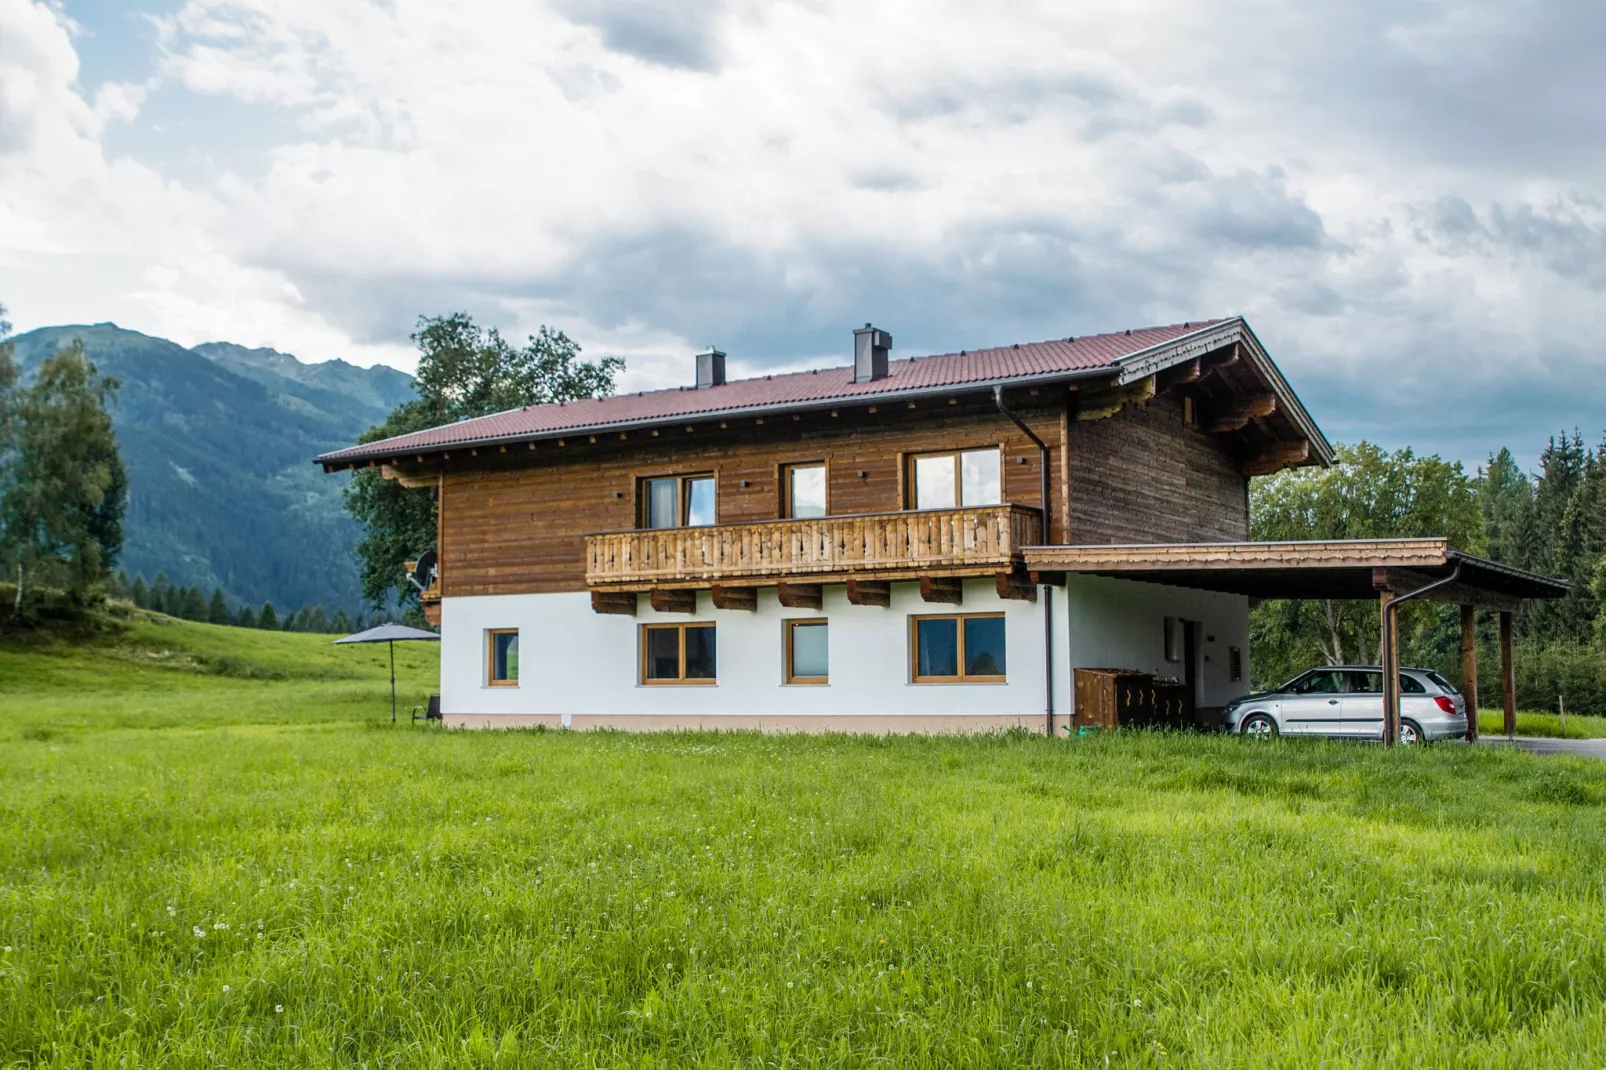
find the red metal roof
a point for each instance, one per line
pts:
(1029, 360)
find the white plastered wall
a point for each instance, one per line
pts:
(1120, 624)
(577, 665)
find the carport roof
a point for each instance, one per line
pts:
(1336, 569)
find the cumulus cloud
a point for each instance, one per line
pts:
(1395, 194)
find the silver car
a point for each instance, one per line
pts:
(1346, 702)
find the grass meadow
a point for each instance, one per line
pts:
(218, 852)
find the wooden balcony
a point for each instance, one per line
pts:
(877, 546)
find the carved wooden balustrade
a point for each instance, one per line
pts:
(879, 546)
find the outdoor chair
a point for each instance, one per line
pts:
(432, 712)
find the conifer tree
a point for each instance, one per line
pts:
(193, 604)
(267, 619)
(161, 591)
(140, 593)
(217, 612)
(340, 624)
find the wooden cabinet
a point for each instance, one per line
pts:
(1111, 698)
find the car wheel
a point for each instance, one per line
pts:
(1259, 726)
(1410, 731)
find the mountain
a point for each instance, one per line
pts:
(219, 441)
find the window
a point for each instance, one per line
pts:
(958, 648)
(502, 657)
(677, 501)
(807, 652)
(1325, 682)
(803, 493)
(965, 478)
(677, 653)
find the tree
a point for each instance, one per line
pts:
(192, 604)
(464, 370)
(1368, 494)
(65, 488)
(1508, 511)
(245, 618)
(161, 594)
(267, 619)
(217, 611)
(141, 593)
(340, 624)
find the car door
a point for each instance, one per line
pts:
(1314, 704)
(1363, 704)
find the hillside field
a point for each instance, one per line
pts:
(219, 852)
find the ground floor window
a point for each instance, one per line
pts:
(677, 654)
(807, 652)
(959, 648)
(502, 657)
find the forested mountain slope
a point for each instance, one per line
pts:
(218, 441)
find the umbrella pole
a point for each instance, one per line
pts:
(392, 645)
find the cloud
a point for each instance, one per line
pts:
(1399, 196)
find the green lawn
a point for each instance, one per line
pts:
(1529, 723)
(218, 852)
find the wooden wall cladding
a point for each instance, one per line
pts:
(512, 522)
(1143, 476)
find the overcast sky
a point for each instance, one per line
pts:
(1404, 198)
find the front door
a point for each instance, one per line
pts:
(1315, 704)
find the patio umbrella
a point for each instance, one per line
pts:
(392, 634)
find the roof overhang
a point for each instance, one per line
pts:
(1335, 569)
(1122, 372)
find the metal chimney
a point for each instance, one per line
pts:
(870, 347)
(710, 368)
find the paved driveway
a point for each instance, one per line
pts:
(1589, 748)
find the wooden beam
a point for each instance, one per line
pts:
(1236, 416)
(1406, 581)
(946, 589)
(1103, 402)
(735, 597)
(801, 595)
(681, 600)
(621, 602)
(1391, 672)
(1508, 676)
(1017, 586)
(1189, 371)
(870, 593)
(1044, 576)
(1469, 668)
(1276, 457)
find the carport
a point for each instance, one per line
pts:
(1392, 571)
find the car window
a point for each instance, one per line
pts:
(1410, 685)
(1362, 682)
(1327, 682)
(1443, 685)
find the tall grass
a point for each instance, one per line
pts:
(221, 869)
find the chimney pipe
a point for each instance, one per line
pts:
(710, 368)
(870, 347)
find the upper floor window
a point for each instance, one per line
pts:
(677, 501)
(962, 478)
(803, 493)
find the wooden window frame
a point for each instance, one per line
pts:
(785, 482)
(490, 657)
(911, 484)
(682, 498)
(682, 680)
(962, 678)
(791, 625)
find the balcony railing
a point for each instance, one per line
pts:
(870, 546)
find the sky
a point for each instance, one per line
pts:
(1405, 198)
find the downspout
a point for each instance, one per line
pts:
(1391, 616)
(1048, 590)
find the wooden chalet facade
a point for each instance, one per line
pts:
(847, 548)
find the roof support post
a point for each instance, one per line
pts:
(1047, 536)
(1508, 676)
(1469, 668)
(1391, 651)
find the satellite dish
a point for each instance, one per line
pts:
(423, 575)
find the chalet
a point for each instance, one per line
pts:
(923, 544)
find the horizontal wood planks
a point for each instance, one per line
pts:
(514, 522)
(1144, 476)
